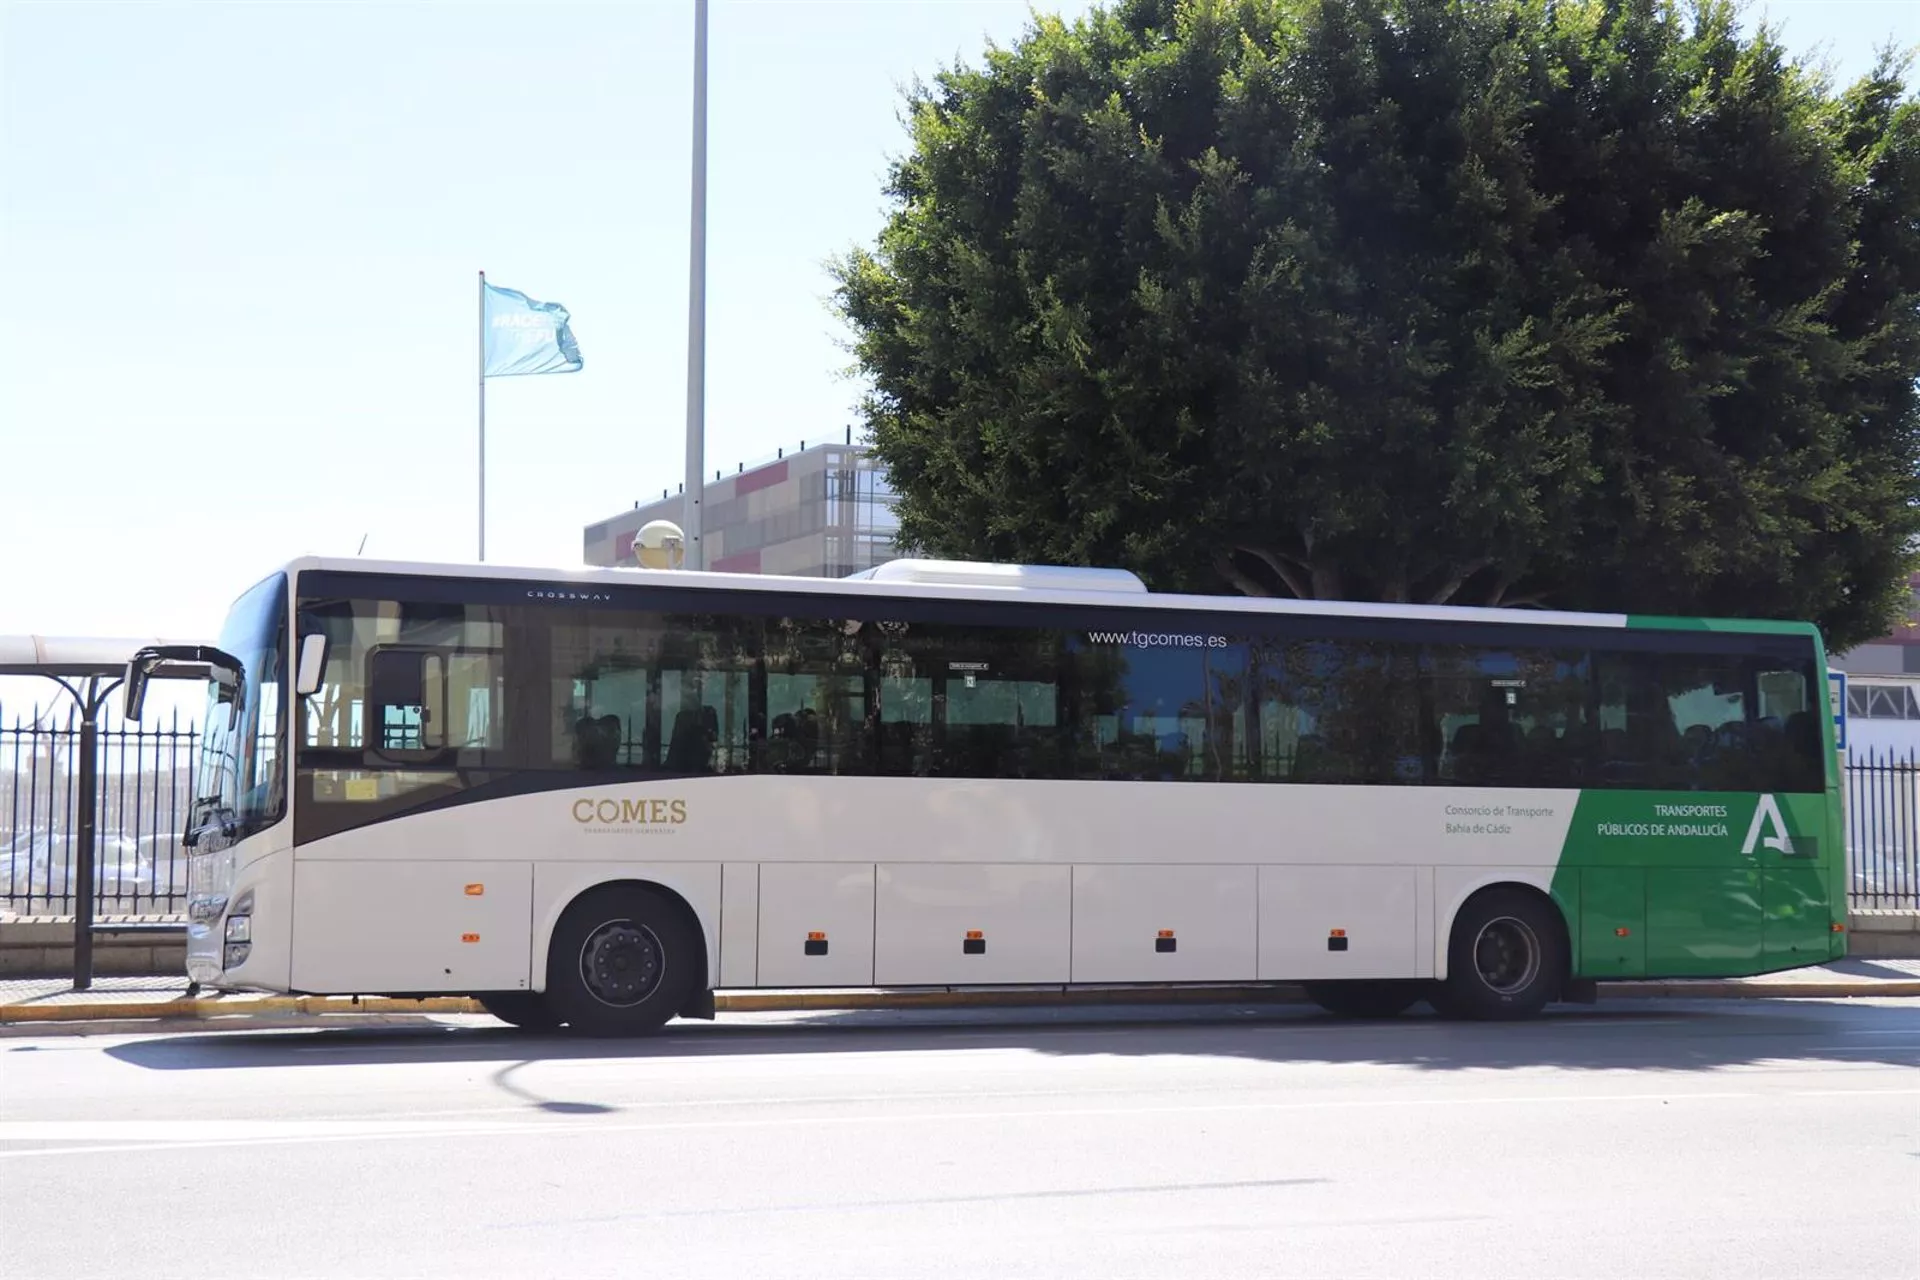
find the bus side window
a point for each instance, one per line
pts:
(1347, 711)
(1787, 740)
(1503, 716)
(472, 695)
(402, 707)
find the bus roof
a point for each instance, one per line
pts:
(1044, 584)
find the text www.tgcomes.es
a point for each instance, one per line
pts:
(1157, 639)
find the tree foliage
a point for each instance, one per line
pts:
(1601, 305)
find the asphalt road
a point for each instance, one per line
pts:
(1738, 1139)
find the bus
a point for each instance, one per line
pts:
(591, 798)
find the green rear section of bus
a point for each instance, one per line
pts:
(1707, 884)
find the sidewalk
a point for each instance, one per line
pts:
(31, 1002)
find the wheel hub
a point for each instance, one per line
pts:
(622, 963)
(1506, 954)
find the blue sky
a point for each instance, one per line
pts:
(239, 243)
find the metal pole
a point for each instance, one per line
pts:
(695, 549)
(482, 327)
(84, 871)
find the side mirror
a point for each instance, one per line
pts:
(134, 694)
(313, 665)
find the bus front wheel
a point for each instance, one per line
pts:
(623, 960)
(1350, 999)
(1506, 957)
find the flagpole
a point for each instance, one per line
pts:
(482, 328)
(694, 554)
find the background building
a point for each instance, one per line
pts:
(1883, 688)
(823, 512)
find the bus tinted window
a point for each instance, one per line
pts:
(1686, 722)
(650, 693)
(424, 698)
(1508, 717)
(1343, 711)
(424, 683)
(938, 701)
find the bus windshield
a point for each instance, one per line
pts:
(241, 783)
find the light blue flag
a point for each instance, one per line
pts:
(524, 336)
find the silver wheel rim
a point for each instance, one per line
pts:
(1506, 955)
(622, 963)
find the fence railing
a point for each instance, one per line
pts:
(145, 788)
(1883, 831)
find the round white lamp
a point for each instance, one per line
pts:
(659, 545)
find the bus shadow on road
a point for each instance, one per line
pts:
(1658, 1035)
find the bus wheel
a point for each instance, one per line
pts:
(622, 962)
(1366, 999)
(1506, 958)
(525, 1009)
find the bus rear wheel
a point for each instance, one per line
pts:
(527, 1010)
(1349, 999)
(623, 961)
(1506, 957)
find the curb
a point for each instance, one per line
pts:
(186, 1010)
(290, 1007)
(1714, 989)
(241, 1023)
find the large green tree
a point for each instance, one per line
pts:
(1594, 305)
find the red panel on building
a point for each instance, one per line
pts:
(623, 546)
(760, 478)
(745, 562)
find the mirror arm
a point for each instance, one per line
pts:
(152, 659)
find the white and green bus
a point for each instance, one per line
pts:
(593, 797)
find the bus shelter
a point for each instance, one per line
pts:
(89, 670)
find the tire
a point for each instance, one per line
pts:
(1366, 999)
(1506, 958)
(623, 961)
(527, 1010)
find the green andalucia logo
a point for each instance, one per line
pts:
(1766, 815)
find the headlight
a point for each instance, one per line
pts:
(239, 928)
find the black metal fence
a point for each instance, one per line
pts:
(145, 787)
(1883, 831)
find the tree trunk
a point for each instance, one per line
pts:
(1245, 583)
(1458, 579)
(1286, 569)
